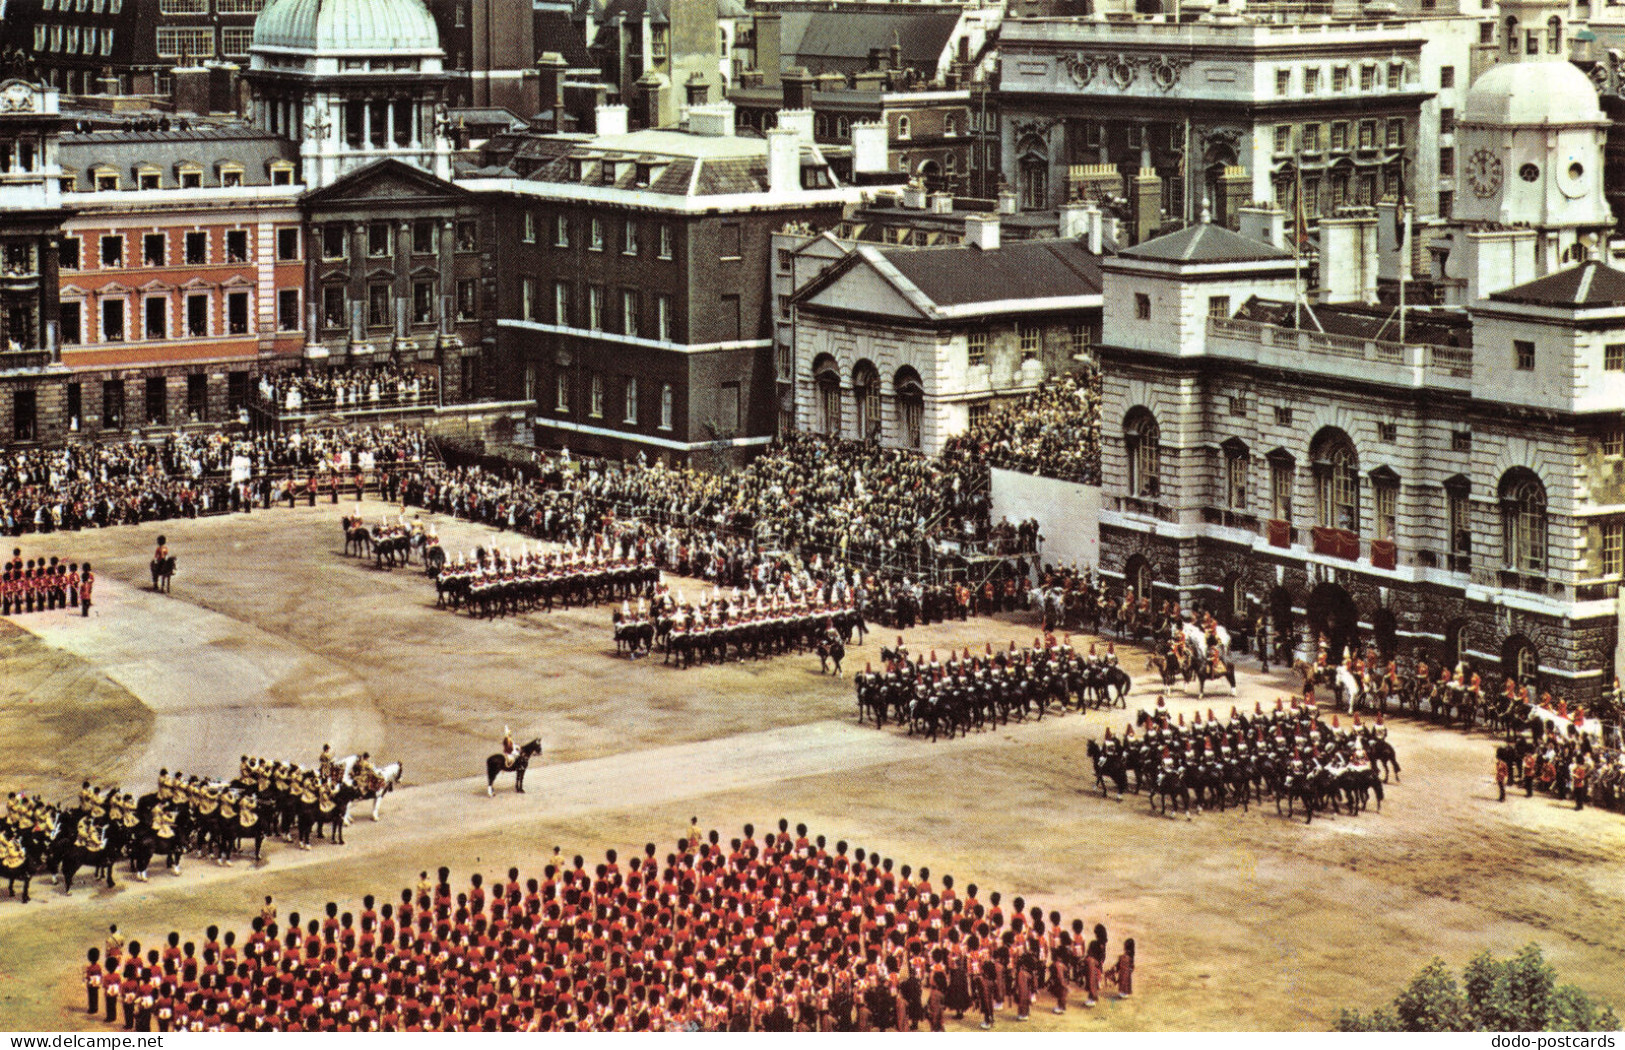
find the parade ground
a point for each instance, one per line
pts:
(274, 643)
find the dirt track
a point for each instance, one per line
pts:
(274, 643)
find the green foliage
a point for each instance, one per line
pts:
(1520, 994)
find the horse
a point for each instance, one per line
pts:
(1111, 767)
(1201, 661)
(1346, 688)
(831, 650)
(356, 536)
(497, 764)
(387, 779)
(163, 570)
(1169, 785)
(632, 634)
(1383, 757)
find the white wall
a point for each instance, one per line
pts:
(1068, 515)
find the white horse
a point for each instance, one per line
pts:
(1196, 638)
(1559, 726)
(1346, 689)
(389, 775)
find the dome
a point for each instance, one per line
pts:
(1533, 94)
(370, 26)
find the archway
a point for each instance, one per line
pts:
(910, 394)
(1520, 660)
(1137, 576)
(1332, 613)
(1385, 633)
(866, 400)
(1455, 643)
(827, 379)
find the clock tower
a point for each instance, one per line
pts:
(1530, 139)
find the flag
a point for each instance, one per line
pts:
(1399, 209)
(1300, 213)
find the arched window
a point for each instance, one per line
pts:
(866, 400)
(910, 406)
(1523, 521)
(843, 127)
(821, 125)
(1033, 173)
(1554, 35)
(1337, 481)
(1143, 439)
(903, 127)
(1137, 576)
(1512, 35)
(1520, 660)
(828, 381)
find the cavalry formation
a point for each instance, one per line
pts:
(184, 815)
(735, 626)
(496, 583)
(968, 692)
(1289, 755)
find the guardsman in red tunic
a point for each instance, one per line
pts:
(87, 583)
(93, 979)
(1501, 775)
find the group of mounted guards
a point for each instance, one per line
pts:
(966, 692)
(738, 625)
(391, 543)
(185, 814)
(1288, 754)
(493, 583)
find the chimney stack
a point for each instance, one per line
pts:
(611, 120)
(783, 160)
(983, 232)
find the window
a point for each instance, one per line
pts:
(153, 247)
(191, 178)
(1218, 307)
(828, 381)
(1447, 121)
(976, 346)
(378, 305)
(629, 312)
(596, 241)
(333, 306)
(468, 300)
(287, 310)
(1486, 32)
(176, 41)
(468, 235)
(527, 298)
(1144, 441)
(197, 248)
(1311, 81)
(113, 251)
(237, 313)
(665, 241)
(1396, 76)
(1385, 500)
(1447, 162)
(281, 173)
(1447, 77)
(730, 241)
(631, 400)
(629, 245)
(1238, 405)
(528, 228)
(1235, 479)
(1311, 138)
(903, 127)
(378, 239)
(561, 231)
(1283, 138)
(1340, 136)
(1032, 341)
(333, 241)
(561, 389)
(287, 245)
(157, 400)
(1368, 78)
(1283, 417)
(1613, 442)
(561, 303)
(236, 40)
(1081, 340)
(595, 307)
(197, 398)
(1523, 521)
(595, 403)
(663, 318)
(1337, 483)
(1461, 440)
(68, 254)
(1459, 514)
(1523, 355)
(423, 296)
(667, 398)
(71, 323)
(1368, 134)
(1395, 137)
(1340, 78)
(1281, 476)
(1283, 82)
(156, 308)
(1142, 306)
(147, 180)
(1447, 204)
(1613, 357)
(237, 246)
(113, 404)
(113, 320)
(1613, 548)
(423, 238)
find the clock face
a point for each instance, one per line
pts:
(1484, 173)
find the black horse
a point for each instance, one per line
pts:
(163, 570)
(496, 765)
(1111, 767)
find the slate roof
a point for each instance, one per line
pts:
(841, 40)
(958, 275)
(555, 32)
(1423, 327)
(207, 146)
(1590, 284)
(1205, 243)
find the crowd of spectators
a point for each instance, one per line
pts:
(1054, 432)
(347, 389)
(787, 935)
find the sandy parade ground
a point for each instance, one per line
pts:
(273, 643)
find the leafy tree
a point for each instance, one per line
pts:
(1520, 994)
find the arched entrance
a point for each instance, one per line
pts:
(1521, 660)
(1455, 642)
(1385, 633)
(1283, 638)
(1332, 613)
(1137, 575)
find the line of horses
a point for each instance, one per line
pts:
(485, 596)
(686, 641)
(389, 546)
(957, 704)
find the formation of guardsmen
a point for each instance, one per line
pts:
(43, 585)
(496, 583)
(968, 692)
(785, 935)
(736, 624)
(1289, 754)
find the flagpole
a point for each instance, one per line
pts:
(1299, 220)
(1404, 266)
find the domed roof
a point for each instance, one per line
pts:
(1532, 94)
(347, 25)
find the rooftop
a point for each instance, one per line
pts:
(1588, 285)
(1204, 242)
(958, 275)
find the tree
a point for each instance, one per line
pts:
(1520, 994)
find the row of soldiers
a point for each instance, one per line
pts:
(783, 935)
(41, 585)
